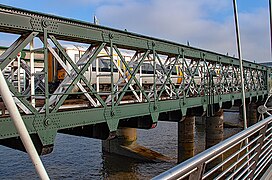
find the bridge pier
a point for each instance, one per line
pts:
(251, 112)
(252, 115)
(125, 144)
(214, 134)
(186, 131)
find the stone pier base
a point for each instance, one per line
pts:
(125, 145)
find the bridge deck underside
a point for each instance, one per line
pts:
(120, 75)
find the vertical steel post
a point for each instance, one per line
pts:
(154, 74)
(97, 78)
(141, 83)
(183, 77)
(46, 72)
(32, 80)
(111, 68)
(241, 61)
(19, 71)
(21, 128)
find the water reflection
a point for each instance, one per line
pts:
(118, 167)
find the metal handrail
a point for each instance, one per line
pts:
(248, 165)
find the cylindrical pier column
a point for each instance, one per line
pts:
(214, 134)
(252, 113)
(127, 136)
(186, 131)
(214, 129)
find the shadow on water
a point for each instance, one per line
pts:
(82, 158)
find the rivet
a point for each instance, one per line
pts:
(45, 23)
(112, 113)
(47, 122)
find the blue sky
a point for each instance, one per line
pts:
(207, 24)
(85, 9)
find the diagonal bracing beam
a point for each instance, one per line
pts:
(8, 56)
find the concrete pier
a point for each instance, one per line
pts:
(252, 115)
(214, 129)
(186, 131)
(214, 134)
(125, 144)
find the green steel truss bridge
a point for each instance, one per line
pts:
(146, 78)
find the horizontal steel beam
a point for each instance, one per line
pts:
(77, 118)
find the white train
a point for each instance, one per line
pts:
(99, 71)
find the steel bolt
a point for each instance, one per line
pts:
(47, 122)
(45, 23)
(112, 113)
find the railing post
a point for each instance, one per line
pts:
(197, 175)
(258, 150)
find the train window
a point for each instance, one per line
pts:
(174, 72)
(104, 63)
(147, 68)
(158, 67)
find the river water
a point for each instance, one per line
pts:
(82, 158)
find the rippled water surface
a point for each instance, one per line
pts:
(82, 158)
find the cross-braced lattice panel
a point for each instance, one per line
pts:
(225, 78)
(21, 73)
(192, 77)
(254, 79)
(107, 75)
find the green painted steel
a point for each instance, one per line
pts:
(207, 78)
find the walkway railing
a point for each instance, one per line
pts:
(238, 159)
